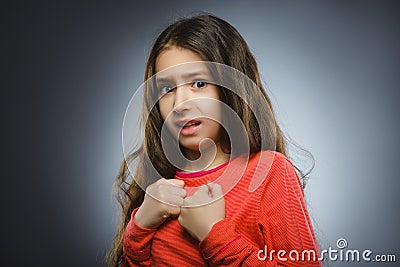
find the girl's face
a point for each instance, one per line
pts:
(186, 104)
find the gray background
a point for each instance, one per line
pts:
(70, 69)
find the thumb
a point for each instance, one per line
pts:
(215, 189)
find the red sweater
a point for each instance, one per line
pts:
(265, 210)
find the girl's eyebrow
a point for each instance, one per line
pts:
(185, 76)
(194, 74)
(163, 80)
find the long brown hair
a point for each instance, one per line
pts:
(214, 40)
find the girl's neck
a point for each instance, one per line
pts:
(207, 160)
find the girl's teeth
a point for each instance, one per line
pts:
(189, 124)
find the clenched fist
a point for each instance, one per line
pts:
(163, 198)
(202, 210)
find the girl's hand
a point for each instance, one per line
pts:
(163, 198)
(198, 220)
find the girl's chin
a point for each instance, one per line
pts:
(195, 147)
(191, 148)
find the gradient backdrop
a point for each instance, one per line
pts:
(70, 69)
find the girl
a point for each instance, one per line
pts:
(199, 213)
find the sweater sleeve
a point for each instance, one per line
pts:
(137, 244)
(283, 222)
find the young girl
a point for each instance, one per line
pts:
(216, 206)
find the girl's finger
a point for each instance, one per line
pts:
(176, 182)
(179, 192)
(202, 190)
(215, 189)
(175, 201)
(171, 212)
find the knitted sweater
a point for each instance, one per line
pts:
(265, 213)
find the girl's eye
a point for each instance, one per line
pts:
(199, 84)
(166, 89)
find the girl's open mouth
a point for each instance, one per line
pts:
(190, 127)
(191, 123)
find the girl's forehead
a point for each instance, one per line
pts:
(174, 55)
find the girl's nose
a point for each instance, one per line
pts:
(180, 97)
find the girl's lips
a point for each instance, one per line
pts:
(190, 127)
(186, 123)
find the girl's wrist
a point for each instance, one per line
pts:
(142, 220)
(138, 219)
(207, 231)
